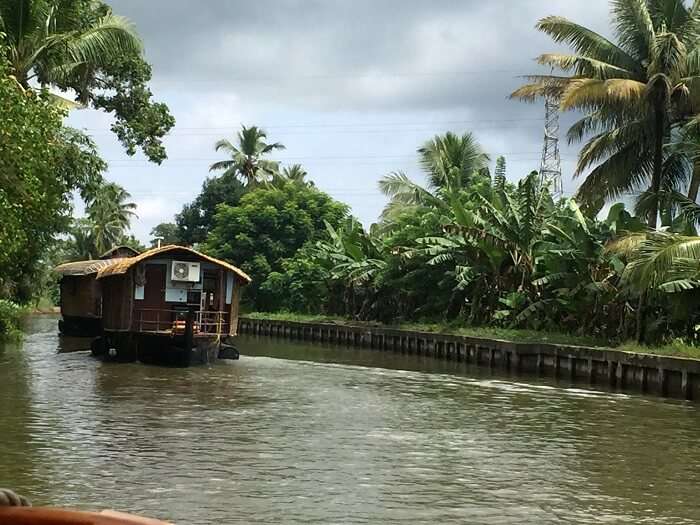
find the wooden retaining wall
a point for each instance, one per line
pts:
(646, 373)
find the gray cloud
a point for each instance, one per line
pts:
(350, 55)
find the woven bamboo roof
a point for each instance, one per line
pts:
(121, 266)
(80, 268)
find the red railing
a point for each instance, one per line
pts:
(156, 320)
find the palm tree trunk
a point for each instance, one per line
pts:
(694, 181)
(660, 133)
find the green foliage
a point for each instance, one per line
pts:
(109, 214)
(269, 225)
(166, 233)
(196, 219)
(294, 173)
(80, 45)
(499, 176)
(139, 122)
(105, 226)
(41, 164)
(131, 242)
(473, 250)
(10, 316)
(298, 284)
(247, 162)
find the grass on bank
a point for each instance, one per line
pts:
(675, 349)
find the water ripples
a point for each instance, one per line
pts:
(299, 434)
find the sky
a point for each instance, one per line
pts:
(351, 88)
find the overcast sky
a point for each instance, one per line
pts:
(352, 88)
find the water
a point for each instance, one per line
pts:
(309, 434)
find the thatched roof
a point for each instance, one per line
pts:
(109, 254)
(81, 268)
(121, 266)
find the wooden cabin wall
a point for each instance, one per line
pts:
(117, 301)
(81, 296)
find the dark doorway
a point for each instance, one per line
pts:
(153, 315)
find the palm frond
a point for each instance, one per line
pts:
(634, 26)
(656, 258)
(110, 37)
(585, 66)
(586, 42)
(591, 93)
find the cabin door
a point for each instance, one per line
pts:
(154, 316)
(210, 301)
(210, 288)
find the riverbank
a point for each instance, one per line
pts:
(664, 375)
(676, 349)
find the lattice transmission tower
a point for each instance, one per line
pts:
(550, 169)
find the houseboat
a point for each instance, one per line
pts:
(169, 305)
(81, 294)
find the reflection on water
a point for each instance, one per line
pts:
(301, 434)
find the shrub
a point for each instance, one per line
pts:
(10, 316)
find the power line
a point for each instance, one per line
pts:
(335, 76)
(349, 125)
(329, 157)
(364, 132)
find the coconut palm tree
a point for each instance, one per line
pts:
(451, 163)
(52, 42)
(247, 162)
(631, 92)
(296, 174)
(687, 143)
(109, 212)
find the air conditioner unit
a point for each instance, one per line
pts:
(185, 271)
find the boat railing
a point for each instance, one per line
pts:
(171, 321)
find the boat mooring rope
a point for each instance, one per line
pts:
(9, 498)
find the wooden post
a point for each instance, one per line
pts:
(620, 375)
(611, 373)
(661, 382)
(189, 338)
(515, 361)
(686, 385)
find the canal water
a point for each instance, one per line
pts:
(293, 433)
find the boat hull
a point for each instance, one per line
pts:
(74, 326)
(161, 349)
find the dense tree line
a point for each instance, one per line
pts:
(78, 47)
(469, 247)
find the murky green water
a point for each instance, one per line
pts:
(299, 434)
